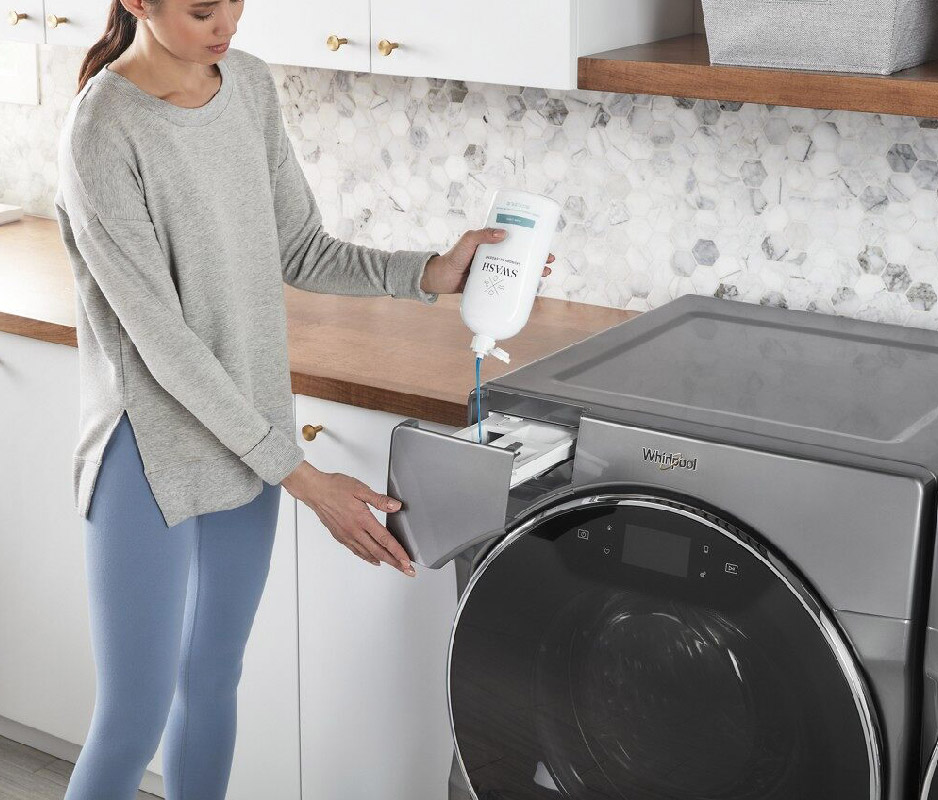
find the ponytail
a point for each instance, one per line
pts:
(120, 32)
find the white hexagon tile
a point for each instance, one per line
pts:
(835, 212)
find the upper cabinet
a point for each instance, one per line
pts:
(324, 35)
(22, 22)
(523, 43)
(79, 23)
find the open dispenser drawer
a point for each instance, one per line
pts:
(454, 490)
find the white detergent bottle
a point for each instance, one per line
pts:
(503, 277)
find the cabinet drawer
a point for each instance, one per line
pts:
(454, 490)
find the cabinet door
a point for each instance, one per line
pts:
(295, 32)
(525, 42)
(373, 642)
(267, 750)
(46, 667)
(83, 21)
(25, 29)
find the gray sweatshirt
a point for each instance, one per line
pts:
(181, 226)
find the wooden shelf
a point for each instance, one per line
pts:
(680, 67)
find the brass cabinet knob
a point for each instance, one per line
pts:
(334, 42)
(53, 21)
(310, 431)
(15, 16)
(385, 47)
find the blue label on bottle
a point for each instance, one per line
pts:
(514, 219)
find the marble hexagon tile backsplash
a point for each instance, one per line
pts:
(831, 211)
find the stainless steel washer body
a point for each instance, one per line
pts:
(722, 588)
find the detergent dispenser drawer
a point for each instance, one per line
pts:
(454, 490)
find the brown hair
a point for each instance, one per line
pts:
(120, 32)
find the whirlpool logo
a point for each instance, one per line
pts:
(666, 461)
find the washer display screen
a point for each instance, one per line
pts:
(655, 549)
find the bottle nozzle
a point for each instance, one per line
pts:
(483, 345)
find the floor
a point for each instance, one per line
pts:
(30, 774)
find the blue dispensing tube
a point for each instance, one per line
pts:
(479, 395)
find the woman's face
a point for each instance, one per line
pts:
(187, 28)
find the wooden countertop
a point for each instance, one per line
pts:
(392, 355)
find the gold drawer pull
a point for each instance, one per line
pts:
(53, 21)
(334, 42)
(385, 47)
(310, 431)
(15, 16)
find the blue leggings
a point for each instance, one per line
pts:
(171, 610)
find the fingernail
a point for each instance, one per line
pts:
(499, 232)
(408, 568)
(394, 504)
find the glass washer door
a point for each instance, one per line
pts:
(629, 646)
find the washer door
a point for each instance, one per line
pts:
(629, 646)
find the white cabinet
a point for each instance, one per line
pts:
(373, 642)
(524, 42)
(46, 667)
(80, 23)
(295, 32)
(22, 21)
(73, 22)
(267, 750)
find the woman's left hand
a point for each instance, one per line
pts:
(447, 273)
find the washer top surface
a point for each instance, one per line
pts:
(818, 379)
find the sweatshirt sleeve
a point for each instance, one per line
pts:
(316, 262)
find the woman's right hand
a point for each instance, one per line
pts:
(341, 503)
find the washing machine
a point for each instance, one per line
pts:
(695, 555)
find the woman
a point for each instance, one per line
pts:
(183, 210)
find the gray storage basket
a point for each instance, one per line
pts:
(878, 36)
